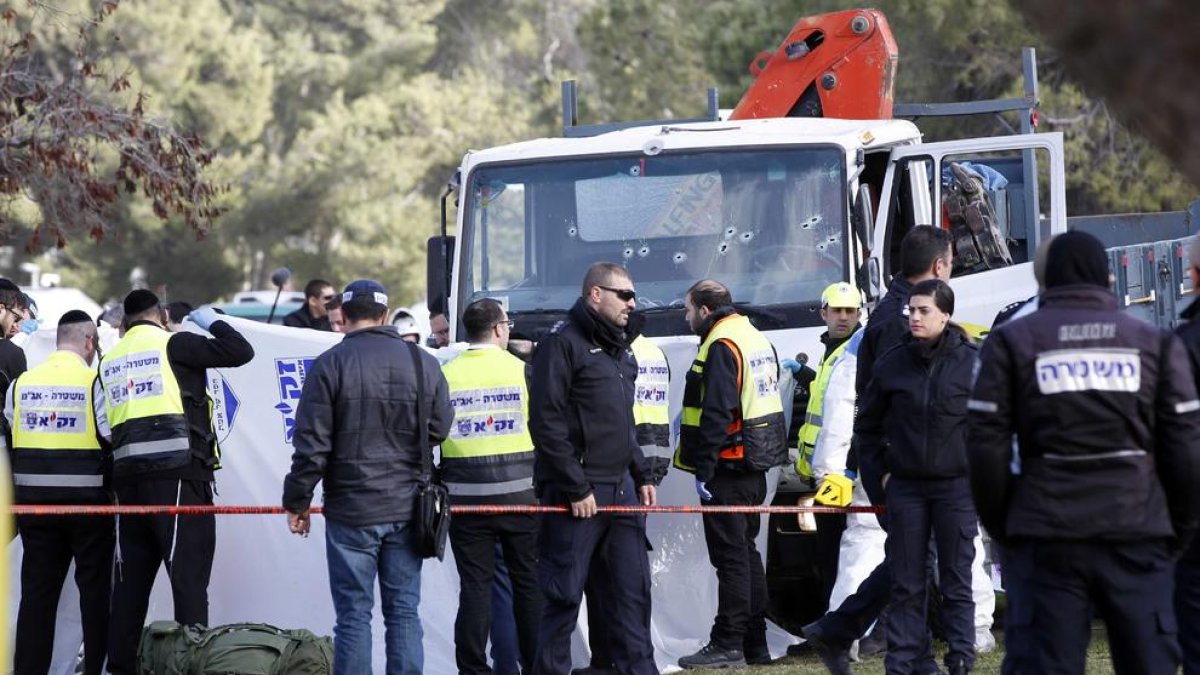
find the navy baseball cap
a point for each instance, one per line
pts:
(365, 289)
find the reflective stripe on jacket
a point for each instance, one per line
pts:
(143, 402)
(813, 415)
(650, 408)
(756, 438)
(57, 455)
(488, 456)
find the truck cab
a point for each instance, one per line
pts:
(775, 208)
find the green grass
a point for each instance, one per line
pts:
(1099, 663)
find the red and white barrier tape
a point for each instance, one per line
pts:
(485, 509)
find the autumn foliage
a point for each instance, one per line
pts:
(74, 141)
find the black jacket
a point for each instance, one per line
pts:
(581, 407)
(12, 364)
(190, 356)
(1189, 333)
(912, 418)
(886, 327)
(1105, 413)
(357, 426)
(302, 319)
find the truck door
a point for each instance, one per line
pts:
(998, 197)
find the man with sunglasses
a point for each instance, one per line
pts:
(312, 314)
(587, 456)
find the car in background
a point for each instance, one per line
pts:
(256, 305)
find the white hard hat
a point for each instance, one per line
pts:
(405, 324)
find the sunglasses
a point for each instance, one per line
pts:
(623, 294)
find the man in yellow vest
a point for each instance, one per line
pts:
(840, 310)
(60, 456)
(164, 453)
(732, 431)
(488, 459)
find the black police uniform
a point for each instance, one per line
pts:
(911, 426)
(1187, 569)
(581, 420)
(1105, 412)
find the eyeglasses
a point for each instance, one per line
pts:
(623, 294)
(510, 323)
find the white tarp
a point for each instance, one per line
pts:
(263, 573)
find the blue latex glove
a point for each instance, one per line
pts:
(204, 317)
(792, 365)
(705, 495)
(29, 326)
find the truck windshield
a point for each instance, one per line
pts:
(770, 224)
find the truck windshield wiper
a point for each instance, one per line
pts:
(660, 309)
(756, 312)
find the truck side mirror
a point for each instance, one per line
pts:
(862, 216)
(868, 280)
(439, 261)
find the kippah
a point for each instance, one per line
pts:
(74, 316)
(139, 301)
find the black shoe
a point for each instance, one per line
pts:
(835, 657)
(592, 670)
(758, 657)
(712, 655)
(959, 668)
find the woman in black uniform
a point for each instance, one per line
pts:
(912, 433)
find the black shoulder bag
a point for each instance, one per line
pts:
(431, 512)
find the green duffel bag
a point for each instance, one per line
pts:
(168, 648)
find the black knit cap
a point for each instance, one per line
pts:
(74, 316)
(139, 301)
(1076, 258)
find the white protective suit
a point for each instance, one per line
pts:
(862, 546)
(862, 542)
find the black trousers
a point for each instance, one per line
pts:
(1187, 608)
(598, 635)
(917, 508)
(1054, 587)
(144, 543)
(566, 548)
(741, 580)
(474, 539)
(830, 527)
(50, 543)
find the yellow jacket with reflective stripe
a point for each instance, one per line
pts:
(488, 456)
(813, 414)
(144, 404)
(651, 415)
(57, 454)
(756, 438)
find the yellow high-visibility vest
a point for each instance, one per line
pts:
(56, 451)
(143, 402)
(488, 456)
(813, 414)
(756, 436)
(651, 415)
